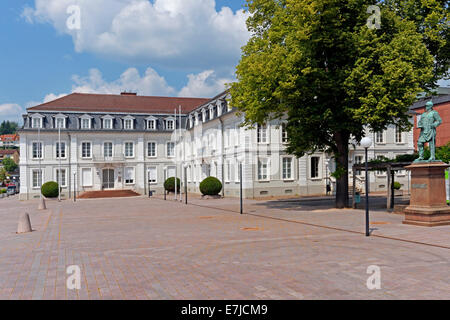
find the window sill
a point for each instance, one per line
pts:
(288, 180)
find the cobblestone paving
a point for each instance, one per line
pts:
(140, 248)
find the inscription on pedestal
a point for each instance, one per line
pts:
(419, 186)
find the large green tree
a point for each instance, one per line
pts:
(9, 165)
(320, 64)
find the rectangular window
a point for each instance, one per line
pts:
(151, 124)
(170, 149)
(85, 123)
(61, 151)
(37, 150)
(37, 178)
(86, 150)
(398, 135)
(287, 168)
(263, 169)
(128, 124)
(107, 123)
(284, 138)
(86, 177)
(108, 149)
(129, 175)
(152, 175)
(379, 137)
(151, 149)
(228, 171)
(63, 177)
(36, 123)
(129, 149)
(315, 167)
(358, 160)
(60, 123)
(262, 134)
(237, 171)
(170, 124)
(381, 172)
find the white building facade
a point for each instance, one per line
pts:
(129, 142)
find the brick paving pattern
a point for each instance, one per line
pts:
(141, 248)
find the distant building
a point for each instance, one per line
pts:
(9, 141)
(9, 153)
(442, 105)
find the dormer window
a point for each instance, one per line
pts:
(170, 124)
(151, 123)
(211, 112)
(85, 122)
(196, 118)
(204, 115)
(107, 122)
(191, 121)
(219, 108)
(36, 122)
(60, 121)
(128, 124)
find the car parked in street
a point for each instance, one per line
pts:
(11, 190)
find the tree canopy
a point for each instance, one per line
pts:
(320, 65)
(9, 165)
(8, 127)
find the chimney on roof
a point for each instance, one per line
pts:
(128, 93)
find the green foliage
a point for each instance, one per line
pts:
(397, 185)
(8, 127)
(2, 174)
(338, 173)
(50, 189)
(9, 164)
(210, 186)
(317, 63)
(2, 190)
(406, 157)
(169, 184)
(443, 153)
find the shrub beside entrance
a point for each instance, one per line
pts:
(210, 186)
(50, 189)
(169, 184)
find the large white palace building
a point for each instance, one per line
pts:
(93, 142)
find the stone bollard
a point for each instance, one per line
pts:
(42, 204)
(24, 223)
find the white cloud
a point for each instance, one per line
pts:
(11, 112)
(205, 84)
(171, 33)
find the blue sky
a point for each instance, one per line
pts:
(158, 47)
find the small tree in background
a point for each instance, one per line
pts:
(8, 127)
(9, 165)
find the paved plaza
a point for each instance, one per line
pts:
(141, 248)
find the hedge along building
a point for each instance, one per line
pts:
(130, 142)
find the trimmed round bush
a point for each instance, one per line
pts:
(210, 186)
(169, 184)
(397, 185)
(50, 189)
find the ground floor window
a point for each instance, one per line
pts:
(86, 177)
(315, 167)
(61, 176)
(263, 169)
(129, 175)
(358, 160)
(37, 178)
(287, 168)
(152, 175)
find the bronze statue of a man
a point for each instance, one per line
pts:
(428, 122)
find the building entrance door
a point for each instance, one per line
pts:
(108, 178)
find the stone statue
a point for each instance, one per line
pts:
(428, 122)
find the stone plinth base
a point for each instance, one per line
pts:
(428, 217)
(428, 198)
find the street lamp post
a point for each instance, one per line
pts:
(366, 142)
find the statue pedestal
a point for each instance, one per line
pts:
(428, 205)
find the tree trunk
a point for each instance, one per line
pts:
(341, 139)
